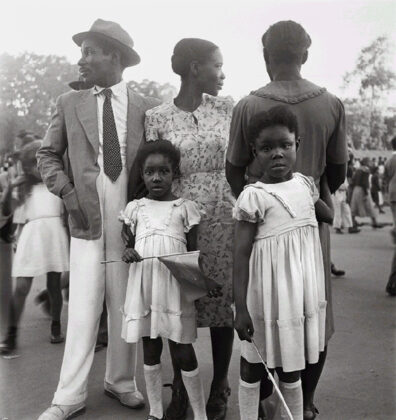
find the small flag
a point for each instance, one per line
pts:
(187, 270)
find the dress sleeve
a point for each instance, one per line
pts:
(151, 126)
(239, 151)
(337, 148)
(191, 215)
(249, 206)
(129, 215)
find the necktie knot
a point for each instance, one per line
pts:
(107, 93)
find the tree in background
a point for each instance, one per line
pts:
(146, 87)
(374, 80)
(29, 86)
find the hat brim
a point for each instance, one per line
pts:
(131, 56)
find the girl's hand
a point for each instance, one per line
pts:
(131, 256)
(244, 325)
(216, 292)
(19, 180)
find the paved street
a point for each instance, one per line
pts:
(359, 378)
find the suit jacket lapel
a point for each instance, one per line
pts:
(135, 127)
(87, 113)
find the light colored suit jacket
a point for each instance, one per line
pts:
(390, 177)
(70, 152)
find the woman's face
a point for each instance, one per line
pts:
(210, 76)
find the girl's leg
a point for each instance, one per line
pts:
(249, 389)
(310, 378)
(56, 301)
(152, 349)
(222, 339)
(187, 362)
(290, 387)
(22, 289)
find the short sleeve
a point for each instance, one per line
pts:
(191, 215)
(337, 148)
(250, 207)
(151, 126)
(310, 183)
(129, 215)
(239, 150)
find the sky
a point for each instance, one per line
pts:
(339, 30)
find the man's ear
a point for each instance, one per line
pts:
(254, 151)
(298, 142)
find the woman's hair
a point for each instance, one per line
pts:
(159, 147)
(278, 115)
(188, 50)
(286, 41)
(27, 156)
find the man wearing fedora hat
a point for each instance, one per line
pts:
(99, 130)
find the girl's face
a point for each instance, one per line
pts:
(158, 175)
(210, 75)
(275, 149)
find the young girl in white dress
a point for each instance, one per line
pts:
(155, 306)
(278, 278)
(42, 248)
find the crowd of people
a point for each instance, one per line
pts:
(123, 177)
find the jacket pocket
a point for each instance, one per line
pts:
(77, 219)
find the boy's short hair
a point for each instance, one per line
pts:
(278, 115)
(161, 147)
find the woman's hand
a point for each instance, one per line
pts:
(131, 256)
(244, 325)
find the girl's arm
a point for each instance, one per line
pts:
(130, 253)
(191, 237)
(324, 206)
(244, 237)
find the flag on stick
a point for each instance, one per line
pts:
(187, 270)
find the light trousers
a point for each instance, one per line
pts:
(90, 283)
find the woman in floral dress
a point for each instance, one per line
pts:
(197, 122)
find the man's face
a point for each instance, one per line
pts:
(95, 66)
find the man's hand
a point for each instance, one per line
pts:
(131, 255)
(244, 325)
(66, 189)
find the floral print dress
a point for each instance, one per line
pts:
(202, 138)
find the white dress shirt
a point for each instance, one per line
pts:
(119, 103)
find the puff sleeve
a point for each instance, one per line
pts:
(250, 207)
(191, 215)
(129, 215)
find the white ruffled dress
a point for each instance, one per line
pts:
(155, 305)
(286, 291)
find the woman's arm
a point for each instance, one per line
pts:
(236, 177)
(244, 237)
(324, 206)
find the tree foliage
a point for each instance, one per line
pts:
(366, 125)
(29, 86)
(164, 92)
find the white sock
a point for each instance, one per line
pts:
(195, 392)
(249, 398)
(153, 377)
(292, 393)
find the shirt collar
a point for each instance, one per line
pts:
(118, 89)
(394, 153)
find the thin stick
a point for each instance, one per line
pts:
(154, 256)
(272, 379)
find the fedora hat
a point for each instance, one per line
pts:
(112, 32)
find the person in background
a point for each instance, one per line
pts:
(323, 146)
(361, 202)
(375, 188)
(43, 248)
(101, 128)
